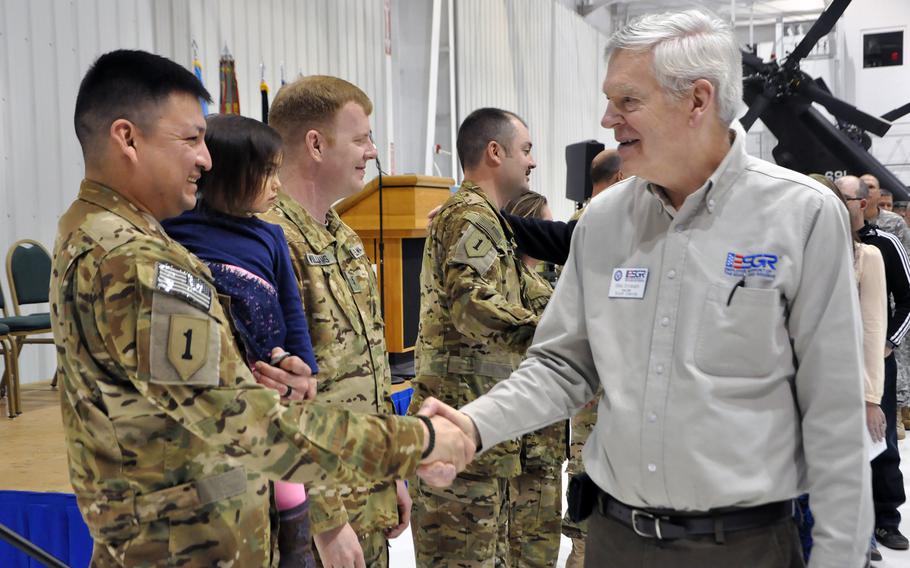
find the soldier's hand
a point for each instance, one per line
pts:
(339, 548)
(435, 407)
(433, 212)
(404, 510)
(292, 378)
(453, 449)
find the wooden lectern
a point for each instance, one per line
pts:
(406, 201)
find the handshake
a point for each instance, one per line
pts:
(456, 440)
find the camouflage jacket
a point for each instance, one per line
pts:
(170, 441)
(545, 447)
(340, 297)
(476, 319)
(893, 223)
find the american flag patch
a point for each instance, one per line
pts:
(178, 282)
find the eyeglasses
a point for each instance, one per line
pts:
(854, 198)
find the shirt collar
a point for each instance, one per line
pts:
(472, 187)
(318, 236)
(107, 198)
(717, 184)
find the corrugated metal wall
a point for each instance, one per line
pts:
(542, 61)
(47, 45)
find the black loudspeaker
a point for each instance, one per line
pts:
(578, 169)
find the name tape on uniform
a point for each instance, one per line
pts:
(628, 283)
(178, 282)
(324, 259)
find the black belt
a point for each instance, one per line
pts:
(671, 525)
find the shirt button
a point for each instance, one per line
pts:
(664, 322)
(652, 468)
(671, 275)
(660, 369)
(652, 418)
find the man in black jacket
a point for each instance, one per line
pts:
(887, 481)
(549, 240)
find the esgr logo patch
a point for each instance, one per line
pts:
(761, 264)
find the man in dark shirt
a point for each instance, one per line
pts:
(549, 240)
(887, 481)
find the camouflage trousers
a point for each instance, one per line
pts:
(465, 525)
(582, 425)
(535, 499)
(375, 547)
(902, 356)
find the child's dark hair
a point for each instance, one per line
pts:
(245, 152)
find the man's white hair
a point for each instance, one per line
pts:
(687, 46)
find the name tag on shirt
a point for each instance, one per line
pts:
(629, 283)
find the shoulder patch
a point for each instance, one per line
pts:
(475, 249)
(178, 282)
(184, 344)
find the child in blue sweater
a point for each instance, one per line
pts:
(250, 263)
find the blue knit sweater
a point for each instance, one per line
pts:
(250, 262)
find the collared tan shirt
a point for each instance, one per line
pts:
(736, 378)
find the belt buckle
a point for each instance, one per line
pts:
(643, 514)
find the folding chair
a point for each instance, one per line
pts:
(10, 381)
(28, 269)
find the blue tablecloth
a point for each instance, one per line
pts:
(401, 400)
(50, 520)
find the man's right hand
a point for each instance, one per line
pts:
(454, 448)
(340, 548)
(875, 421)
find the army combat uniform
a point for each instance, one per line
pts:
(536, 494)
(338, 289)
(171, 442)
(476, 323)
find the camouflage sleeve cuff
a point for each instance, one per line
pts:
(327, 510)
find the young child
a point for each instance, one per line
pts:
(250, 263)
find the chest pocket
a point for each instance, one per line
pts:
(743, 339)
(358, 273)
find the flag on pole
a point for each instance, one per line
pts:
(230, 97)
(264, 93)
(197, 70)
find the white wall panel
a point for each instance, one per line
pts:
(47, 45)
(542, 61)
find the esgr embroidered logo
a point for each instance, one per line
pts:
(761, 264)
(636, 275)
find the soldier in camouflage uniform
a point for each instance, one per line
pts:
(896, 225)
(340, 297)
(536, 494)
(171, 441)
(476, 323)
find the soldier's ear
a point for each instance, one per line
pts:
(123, 133)
(494, 153)
(315, 143)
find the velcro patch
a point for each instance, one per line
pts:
(357, 251)
(478, 245)
(324, 259)
(178, 282)
(184, 344)
(188, 342)
(476, 250)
